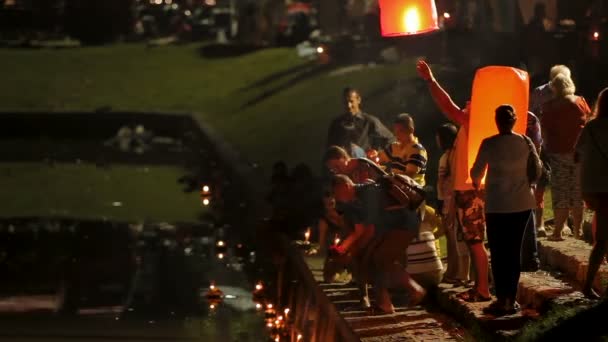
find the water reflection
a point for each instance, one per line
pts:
(103, 279)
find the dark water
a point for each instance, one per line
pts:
(74, 280)
(63, 279)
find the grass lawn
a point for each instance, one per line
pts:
(266, 103)
(289, 123)
(84, 191)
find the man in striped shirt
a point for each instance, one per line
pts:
(406, 155)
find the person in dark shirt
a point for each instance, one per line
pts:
(389, 230)
(356, 131)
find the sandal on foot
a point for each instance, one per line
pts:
(590, 294)
(472, 296)
(377, 310)
(495, 308)
(417, 298)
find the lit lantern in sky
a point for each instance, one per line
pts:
(494, 86)
(407, 17)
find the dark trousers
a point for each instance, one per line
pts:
(505, 237)
(530, 261)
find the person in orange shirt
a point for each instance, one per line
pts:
(469, 201)
(562, 120)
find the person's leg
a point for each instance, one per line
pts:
(496, 232)
(529, 250)
(472, 220)
(598, 252)
(513, 241)
(391, 272)
(578, 205)
(539, 193)
(479, 256)
(560, 182)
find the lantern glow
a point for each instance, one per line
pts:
(407, 17)
(494, 86)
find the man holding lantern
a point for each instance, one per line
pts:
(469, 201)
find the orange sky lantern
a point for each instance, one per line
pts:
(407, 17)
(492, 87)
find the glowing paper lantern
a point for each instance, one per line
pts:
(494, 86)
(407, 17)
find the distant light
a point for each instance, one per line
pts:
(188, 13)
(269, 325)
(168, 2)
(212, 287)
(220, 243)
(158, 2)
(299, 337)
(596, 35)
(206, 188)
(337, 241)
(320, 49)
(206, 201)
(220, 256)
(175, 6)
(447, 15)
(286, 311)
(210, 2)
(277, 322)
(258, 306)
(188, 250)
(259, 287)
(280, 318)
(230, 296)
(117, 204)
(277, 339)
(212, 306)
(269, 306)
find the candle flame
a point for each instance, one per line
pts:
(411, 20)
(286, 311)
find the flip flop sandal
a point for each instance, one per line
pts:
(472, 296)
(376, 310)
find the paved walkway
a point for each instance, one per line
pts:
(556, 285)
(407, 324)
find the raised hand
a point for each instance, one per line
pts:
(424, 70)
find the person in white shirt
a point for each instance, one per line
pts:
(509, 204)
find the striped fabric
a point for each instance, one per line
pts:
(422, 255)
(399, 155)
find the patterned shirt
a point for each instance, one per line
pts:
(399, 155)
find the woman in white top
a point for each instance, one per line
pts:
(509, 204)
(592, 151)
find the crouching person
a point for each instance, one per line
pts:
(423, 261)
(389, 230)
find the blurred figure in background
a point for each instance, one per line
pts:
(592, 153)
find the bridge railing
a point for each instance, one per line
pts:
(313, 314)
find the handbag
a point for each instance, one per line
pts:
(535, 165)
(401, 188)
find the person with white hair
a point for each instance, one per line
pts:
(542, 94)
(562, 120)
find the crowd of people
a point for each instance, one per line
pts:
(498, 203)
